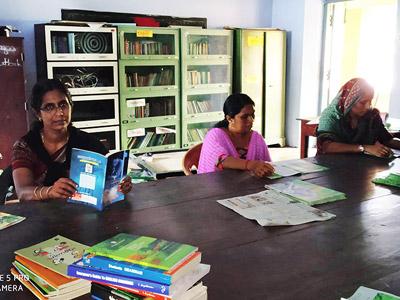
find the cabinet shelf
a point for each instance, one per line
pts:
(79, 43)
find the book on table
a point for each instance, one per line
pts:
(147, 251)
(294, 167)
(98, 177)
(143, 266)
(143, 272)
(106, 292)
(306, 192)
(388, 178)
(364, 293)
(7, 220)
(79, 270)
(42, 268)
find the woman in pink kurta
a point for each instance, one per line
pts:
(232, 144)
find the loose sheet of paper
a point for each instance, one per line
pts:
(270, 208)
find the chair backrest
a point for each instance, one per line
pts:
(191, 159)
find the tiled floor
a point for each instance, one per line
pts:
(172, 161)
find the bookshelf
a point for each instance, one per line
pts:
(85, 59)
(149, 77)
(206, 80)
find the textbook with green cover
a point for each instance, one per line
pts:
(143, 250)
(7, 220)
(392, 179)
(306, 192)
(55, 254)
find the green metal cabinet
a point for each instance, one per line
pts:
(259, 68)
(206, 70)
(149, 73)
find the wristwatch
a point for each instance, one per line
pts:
(361, 148)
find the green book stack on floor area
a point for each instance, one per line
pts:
(306, 192)
(143, 266)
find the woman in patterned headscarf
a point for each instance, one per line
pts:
(350, 124)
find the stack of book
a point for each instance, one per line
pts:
(42, 268)
(142, 266)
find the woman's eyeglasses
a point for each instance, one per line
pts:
(51, 107)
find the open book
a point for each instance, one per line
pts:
(98, 176)
(294, 167)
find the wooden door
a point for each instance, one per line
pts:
(13, 116)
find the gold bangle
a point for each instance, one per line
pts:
(40, 193)
(34, 192)
(48, 190)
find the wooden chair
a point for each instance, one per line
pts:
(191, 159)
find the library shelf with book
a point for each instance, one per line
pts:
(149, 88)
(85, 59)
(206, 80)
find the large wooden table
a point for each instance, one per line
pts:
(315, 261)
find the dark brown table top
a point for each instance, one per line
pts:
(319, 260)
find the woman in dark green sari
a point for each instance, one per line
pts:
(350, 124)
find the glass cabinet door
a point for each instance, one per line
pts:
(149, 107)
(194, 133)
(148, 76)
(206, 104)
(148, 139)
(109, 136)
(202, 74)
(206, 44)
(148, 43)
(86, 77)
(95, 110)
(80, 43)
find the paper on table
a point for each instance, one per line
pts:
(364, 293)
(270, 208)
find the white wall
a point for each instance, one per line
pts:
(394, 107)
(219, 13)
(282, 17)
(302, 19)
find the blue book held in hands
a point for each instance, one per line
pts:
(98, 177)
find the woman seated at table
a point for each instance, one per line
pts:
(41, 158)
(350, 124)
(231, 144)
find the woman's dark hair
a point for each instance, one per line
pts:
(232, 106)
(44, 86)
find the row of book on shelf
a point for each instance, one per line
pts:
(198, 77)
(198, 48)
(151, 139)
(123, 267)
(152, 108)
(197, 134)
(63, 43)
(194, 107)
(164, 77)
(147, 48)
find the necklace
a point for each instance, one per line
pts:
(43, 140)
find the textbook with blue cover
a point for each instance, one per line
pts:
(98, 177)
